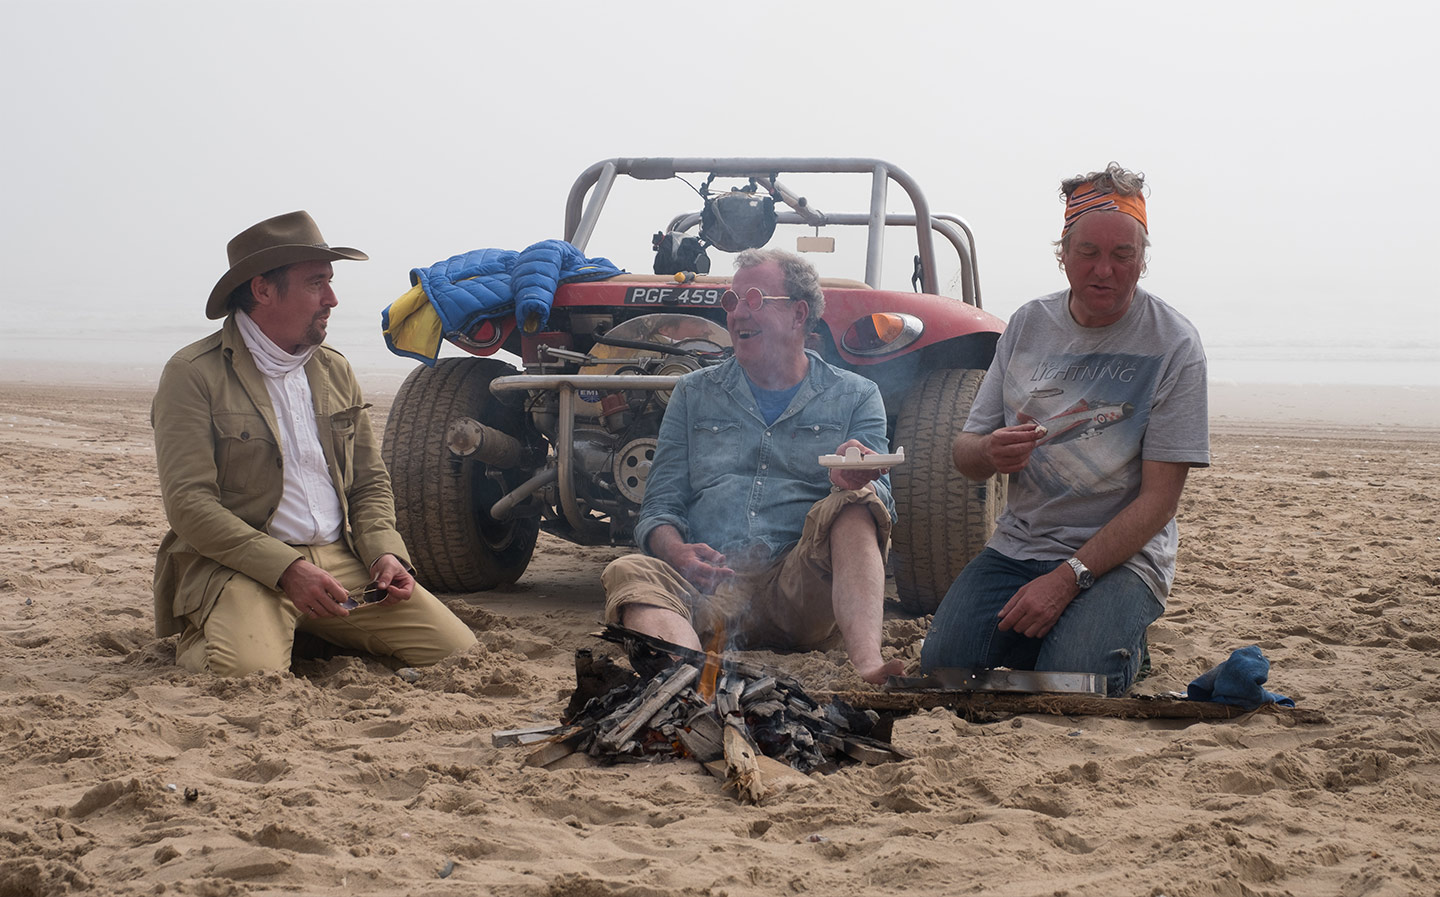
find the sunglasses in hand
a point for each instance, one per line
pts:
(367, 594)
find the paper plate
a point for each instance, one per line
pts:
(854, 460)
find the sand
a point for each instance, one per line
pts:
(1312, 537)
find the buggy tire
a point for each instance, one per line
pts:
(442, 503)
(944, 518)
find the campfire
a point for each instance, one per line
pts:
(710, 707)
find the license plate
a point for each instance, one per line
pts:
(662, 297)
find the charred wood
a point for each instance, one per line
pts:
(663, 691)
(754, 712)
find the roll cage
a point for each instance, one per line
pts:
(582, 214)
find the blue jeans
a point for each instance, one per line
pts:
(1101, 631)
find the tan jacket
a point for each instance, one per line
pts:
(220, 473)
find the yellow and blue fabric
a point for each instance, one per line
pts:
(454, 296)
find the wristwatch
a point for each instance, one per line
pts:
(1083, 577)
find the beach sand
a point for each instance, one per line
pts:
(1314, 536)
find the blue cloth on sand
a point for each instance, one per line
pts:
(1238, 682)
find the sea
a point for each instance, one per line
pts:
(136, 350)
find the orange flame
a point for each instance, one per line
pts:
(711, 671)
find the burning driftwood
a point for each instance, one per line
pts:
(707, 707)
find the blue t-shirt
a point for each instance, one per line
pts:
(725, 477)
(772, 402)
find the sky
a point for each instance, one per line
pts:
(1289, 148)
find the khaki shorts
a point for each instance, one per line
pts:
(782, 602)
(253, 626)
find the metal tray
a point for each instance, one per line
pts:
(1026, 682)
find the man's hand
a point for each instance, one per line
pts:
(1008, 449)
(1034, 610)
(853, 478)
(391, 575)
(314, 592)
(702, 565)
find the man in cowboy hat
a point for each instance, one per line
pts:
(1095, 405)
(280, 508)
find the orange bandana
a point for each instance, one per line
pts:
(1087, 199)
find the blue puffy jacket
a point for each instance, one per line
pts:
(486, 283)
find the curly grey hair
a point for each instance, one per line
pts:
(1114, 179)
(801, 279)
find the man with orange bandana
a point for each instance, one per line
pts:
(1096, 405)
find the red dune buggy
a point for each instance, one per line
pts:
(484, 454)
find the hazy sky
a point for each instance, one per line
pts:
(1288, 146)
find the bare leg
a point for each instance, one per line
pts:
(660, 623)
(858, 592)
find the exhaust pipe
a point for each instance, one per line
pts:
(466, 437)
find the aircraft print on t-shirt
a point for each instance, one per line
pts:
(1094, 409)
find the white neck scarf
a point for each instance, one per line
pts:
(272, 360)
(309, 512)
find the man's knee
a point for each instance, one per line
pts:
(198, 654)
(641, 603)
(856, 515)
(1117, 661)
(634, 614)
(236, 644)
(452, 635)
(856, 533)
(641, 580)
(620, 570)
(445, 640)
(855, 521)
(243, 666)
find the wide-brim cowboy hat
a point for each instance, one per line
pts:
(273, 243)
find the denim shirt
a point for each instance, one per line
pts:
(723, 477)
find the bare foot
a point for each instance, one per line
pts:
(880, 674)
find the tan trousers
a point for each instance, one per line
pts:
(783, 602)
(253, 626)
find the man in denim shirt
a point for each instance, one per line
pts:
(744, 532)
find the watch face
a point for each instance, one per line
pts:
(1083, 577)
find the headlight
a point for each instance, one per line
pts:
(882, 333)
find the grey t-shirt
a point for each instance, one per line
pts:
(1110, 398)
